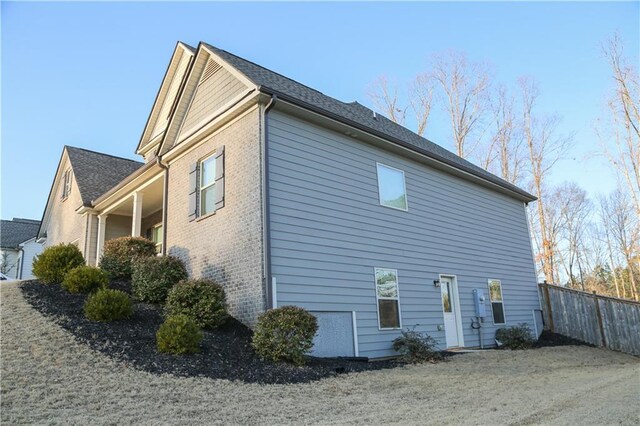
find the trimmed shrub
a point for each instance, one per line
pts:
(415, 347)
(85, 279)
(108, 305)
(179, 334)
(54, 262)
(285, 334)
(154, 276)
(202, 300)
(516, 337)
(120, 254)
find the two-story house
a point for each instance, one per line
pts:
(287, 196)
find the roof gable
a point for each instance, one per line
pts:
(356, 115)
(17, 231)
(96, 173)
(206, 66)
(166, 97)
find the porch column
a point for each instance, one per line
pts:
(136, 220)
(88, 238)
(102, 227)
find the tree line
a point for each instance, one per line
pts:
(588, 242)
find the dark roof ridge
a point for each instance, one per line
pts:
(102, 153)
(263, 67)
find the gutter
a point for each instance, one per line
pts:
(512, 188)
(266, 227)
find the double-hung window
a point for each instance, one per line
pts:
(391, 187)
(207, 185)
(497, 305)
(66, 184)
(388, 298)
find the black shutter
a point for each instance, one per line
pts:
(219, 191)
(193, 192)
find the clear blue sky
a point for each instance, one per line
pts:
(86, 74)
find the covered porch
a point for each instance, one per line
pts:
(132, 210)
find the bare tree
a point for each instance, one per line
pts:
(421, 99)
(506, 145)
(624, 124)
(6, 265)
(386, 100)
(464, 86)
(575, 209)
(545, 147)
(622, 225)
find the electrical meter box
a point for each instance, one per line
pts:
(479, 300)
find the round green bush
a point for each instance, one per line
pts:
(285, 334)
(515, 337)
(179, 334)
(120, 254)
(54, 262)
(108, 305)
(154, 276)
(202, 300)
(85, 279)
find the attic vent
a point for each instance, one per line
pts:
(211, 68)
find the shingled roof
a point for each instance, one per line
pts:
(355, 114)
(17, 231)
(96, 173)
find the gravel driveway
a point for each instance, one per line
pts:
(47, 377)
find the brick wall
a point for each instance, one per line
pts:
(65, 225)
(226, 246)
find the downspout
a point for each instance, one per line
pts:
(165, 191)
(21, 257)
(266, 227)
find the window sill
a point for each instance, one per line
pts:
(199, 218)
(394, 208)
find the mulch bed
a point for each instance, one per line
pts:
(549, 339)
(226, 352)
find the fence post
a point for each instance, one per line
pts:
(599, 314)
(548, 300)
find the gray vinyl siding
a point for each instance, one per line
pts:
(328, 233)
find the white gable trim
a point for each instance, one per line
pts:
(187, 96)
(146, 140)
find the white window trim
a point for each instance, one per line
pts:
(504, 313)
(202, 188)
(375, 287)
(154, 227)
(404, 187)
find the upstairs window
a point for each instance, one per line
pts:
(497, 305)
(388, 298)
(391, 187)
(66, 184)
(207, 185)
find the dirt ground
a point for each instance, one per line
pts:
(47, 377)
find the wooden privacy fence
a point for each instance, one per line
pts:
(603, 321)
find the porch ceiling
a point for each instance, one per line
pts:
(151, 201)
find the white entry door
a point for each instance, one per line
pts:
(450, 307)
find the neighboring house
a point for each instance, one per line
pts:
(287, 196)
(19, 247)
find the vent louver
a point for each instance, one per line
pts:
(211, 68)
